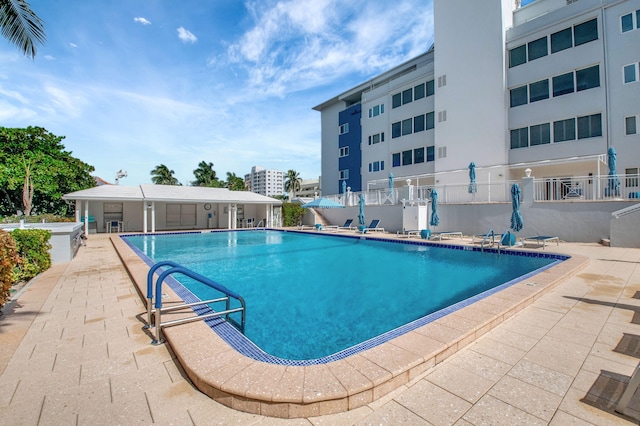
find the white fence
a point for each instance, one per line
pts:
(587, 188)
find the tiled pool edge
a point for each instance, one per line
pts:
(295, 391)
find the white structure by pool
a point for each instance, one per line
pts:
(65, 237)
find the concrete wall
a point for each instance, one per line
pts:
(625, 231)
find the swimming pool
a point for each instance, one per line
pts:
(314, 298)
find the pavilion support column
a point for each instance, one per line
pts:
(153, 216)
(144, 217)
(86, 218)
(229, 211)
(234, 216)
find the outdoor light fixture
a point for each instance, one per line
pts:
(527, 172)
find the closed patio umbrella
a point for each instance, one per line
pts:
(391, 185)
(472, 178)
(361, 218)
(516, 217)
(435, 219)
(613, 185)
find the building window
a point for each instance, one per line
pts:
(396, 100)
(630, 127)
(564, 130)
(539, 91)
(537, 48)
(563, 84)
(344, 152)
(418, 155)
(376, 166)
(430, 88)
(561, 40)
(588, 78)
(396, 130)
(431, 153)
(518, 56)
(626, 22)
(540, 134)
(407, 157)
(377, 138)
(590, 126)
(344, 128)
(520, 138)
(407, 126)
(630, 73)
(632, 177)
(395, 159)
(431, 120)
(585, 32)
(418, 123)
(407, 96)
(376, 110)
(418, 92)
(343, 174)
(518, 96)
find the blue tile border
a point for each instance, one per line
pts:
(232, 336)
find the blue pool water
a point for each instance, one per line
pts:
(309, 296)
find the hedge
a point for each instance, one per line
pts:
(8, 260)
(33, 251)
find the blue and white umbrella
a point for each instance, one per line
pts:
(361, 218)
(344, 186)
(391, 185)
(322, 203)
(613, 184)
(435, 219)
(472, 178)
(516, 217)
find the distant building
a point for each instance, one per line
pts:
(309, 188)
(549, 86)
(265, 182)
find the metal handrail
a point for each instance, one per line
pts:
(493, 240)
(178, 269)
(150, 287)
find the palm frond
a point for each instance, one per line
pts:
(21, 26)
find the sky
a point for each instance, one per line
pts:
(132, 84)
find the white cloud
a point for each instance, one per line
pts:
(73, 45)
(141, 20)
(49, 57)
(186, 36)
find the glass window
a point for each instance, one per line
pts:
(344, 151)
(538, 48)
(395, 159)
(344, 174)
(376, 138)
(431, 153)
(407, 157)
(370, 167)
(396, 100)
(431, 119)
(638, 18)
(376, 166)
(407, 126)
(588, 78)
(430, 88)
(630, 125)
(344, 128)
(561, 40)
(407, 96)
(540, 134)
(396, 130)
(564, 130)
(418, 155)
(629, 73)
(418, 123)
(589, 126)
(586, 32)
(382, 165)
(517, 56)
(627, 22)
(418, 92)
(520, 138)
(518, 96)
(539, 91)
(382, 137)
(563, 84)
(376, 110)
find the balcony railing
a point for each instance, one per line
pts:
(587, 188)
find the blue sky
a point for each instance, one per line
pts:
(137, 83)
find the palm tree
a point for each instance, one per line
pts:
(161, 175)
(292, 183)
(235, 183)
(206, 176)
(21, 26)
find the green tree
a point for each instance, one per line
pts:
(206, 176)
(161, 175)
(21, 26)
(235, 183)
(292, 183)
(35, 169)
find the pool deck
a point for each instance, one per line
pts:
(72, 350)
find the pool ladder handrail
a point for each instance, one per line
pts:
(175, 268)
(506, 233)
(487, 235)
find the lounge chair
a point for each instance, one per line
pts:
(373, 226)
(439, 235)
(408, 233)
(347, 225)
(542, 239)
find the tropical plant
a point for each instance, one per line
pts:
(8, 260)
(292, 214)
(292, 183)
(21, 26)
(206, 176)
(33, 248)
(235, 183)
(36, 171)
(161, 175)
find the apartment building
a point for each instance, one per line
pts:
(265, 182)
(548, 87)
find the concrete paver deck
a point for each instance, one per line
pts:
(73, 351)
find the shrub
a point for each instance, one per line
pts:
(33, 251)
(8, 260)
(292, 214)
(47, 217)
